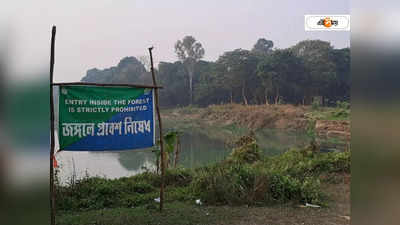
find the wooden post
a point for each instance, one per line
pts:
(52, 194)
(161, 134)
(178, 149)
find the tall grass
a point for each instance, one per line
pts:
(244, 178)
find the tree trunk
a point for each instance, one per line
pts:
(191, 86)
(231, 96)
(277, 96)
(243, 94)
(266, 97)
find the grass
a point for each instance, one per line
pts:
(183, 213)
(189, 214)
(226, 189)
(244, 178)
(329, 113)
(173, 214)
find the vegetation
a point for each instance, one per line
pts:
(172, 150)
(173, 214)
(340, 112)
(189, 52)
(244, 178)
(262, 75)
(311, 73)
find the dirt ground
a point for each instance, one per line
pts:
(253, 117)
(337, 213)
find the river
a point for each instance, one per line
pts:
(197, 149)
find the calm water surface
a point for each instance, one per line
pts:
(197, 149)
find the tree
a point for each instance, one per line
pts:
(318, 60)
(282, 73)
(262, 47)
(173, 78)
(340, 90)
(189, 52)
(128, 70)
(145, 61)
(238, 69)
(206, 89)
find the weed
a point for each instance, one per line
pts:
(245, 178)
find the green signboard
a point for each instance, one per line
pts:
(94, 118)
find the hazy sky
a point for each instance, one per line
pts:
(99, 33)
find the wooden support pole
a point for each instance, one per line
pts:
(52, 193)
(161, 133)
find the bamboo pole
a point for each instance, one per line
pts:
(160, 129)
(52, 194)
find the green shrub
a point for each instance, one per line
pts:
(343, 105)
(248, 153)
(179, 194)
(315, 105)
(237, 184)
(246, 150)
(137, 199)
(178, 177)
(230, 183)
(245, 178)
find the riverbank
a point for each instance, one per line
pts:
(328, 126)
(253, 117)
(245, 188)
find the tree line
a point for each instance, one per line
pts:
(261, 75)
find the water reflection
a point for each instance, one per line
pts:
(137, 160)
(273, 142)
(197, 149)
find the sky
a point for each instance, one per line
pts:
(100, 33)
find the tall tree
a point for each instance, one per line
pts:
(340, 90)
(174, 79)
(262, 47)
(189, 51)
(238, 67)
(282, 73)
(318, 59)
(205, 85)
(128, 70)
(145, 60)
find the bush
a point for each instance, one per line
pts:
(248, 153)
(230, 183)
(315, 105)
(98, 193)
(247, 185)
(342, 105)
(245, 178)
(178, 177)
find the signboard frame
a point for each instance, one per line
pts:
(86, 94)
(52, 161)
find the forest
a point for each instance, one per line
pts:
(309, 70)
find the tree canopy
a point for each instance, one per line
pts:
(262, 75)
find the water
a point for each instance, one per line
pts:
(197, 149)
